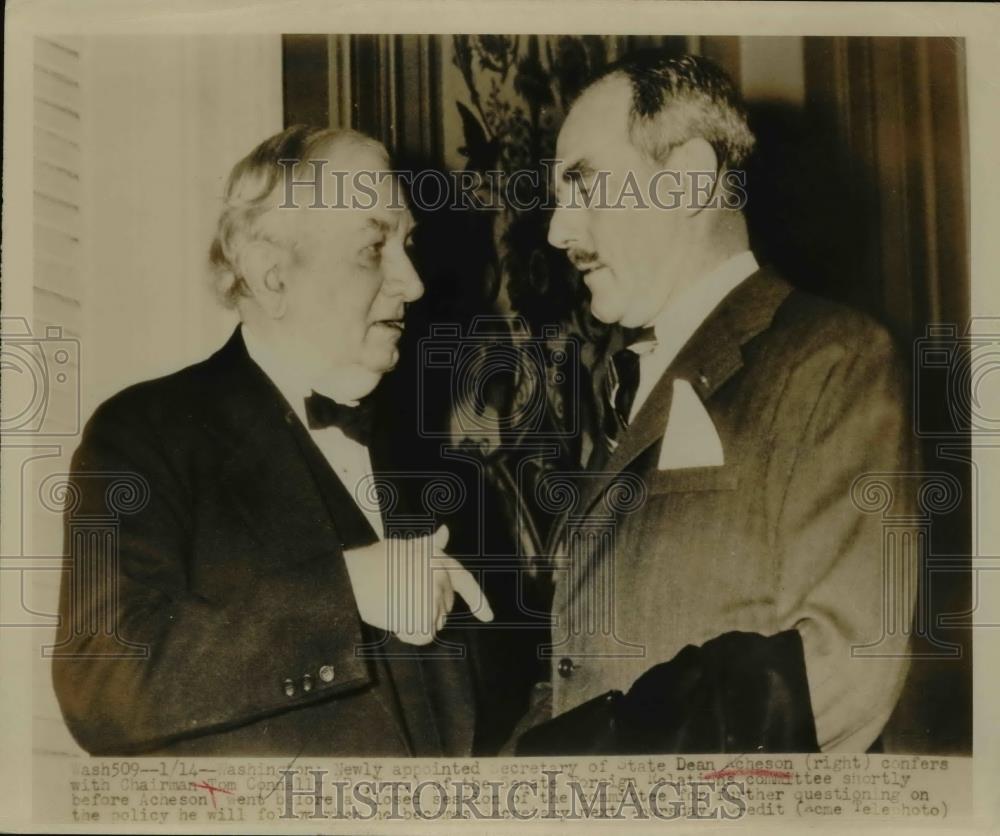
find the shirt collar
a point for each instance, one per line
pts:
(681, 317)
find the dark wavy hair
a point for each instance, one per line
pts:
(677, 98)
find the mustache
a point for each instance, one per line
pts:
(583, 259)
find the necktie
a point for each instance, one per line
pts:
(353, 421)
(622, 382)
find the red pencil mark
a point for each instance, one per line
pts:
(211, 790)
(732, 773)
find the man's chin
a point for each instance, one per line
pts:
(606, 310)
(385, 361)
(380, 351)
(605, 303)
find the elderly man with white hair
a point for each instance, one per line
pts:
(253, 581)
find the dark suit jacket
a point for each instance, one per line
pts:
(230, 626)
(809, 400)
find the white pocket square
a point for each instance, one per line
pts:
(690, 439)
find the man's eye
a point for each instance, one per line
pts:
(580, 182)
(373, 252)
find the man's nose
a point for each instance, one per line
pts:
(562, 232)
(402, 280)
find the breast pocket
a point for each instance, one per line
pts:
(693, 479)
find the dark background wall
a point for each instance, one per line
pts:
(858, 191)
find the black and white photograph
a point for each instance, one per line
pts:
(603, 415)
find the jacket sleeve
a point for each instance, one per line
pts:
(847, 579)
(738, 692)
(143, 660)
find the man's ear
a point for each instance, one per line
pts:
(262, 264)
(698, 166)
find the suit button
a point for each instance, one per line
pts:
(289, 687)
(565, 667)
(307, 683)
(326, 673)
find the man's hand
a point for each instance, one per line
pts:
(408, 586)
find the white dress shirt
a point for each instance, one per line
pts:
(349, 459)
(681, 317)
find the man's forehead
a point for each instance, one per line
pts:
(598, 119)
(343, 221)
(373, 198)
(351, 156)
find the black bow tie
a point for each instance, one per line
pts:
(353, 421)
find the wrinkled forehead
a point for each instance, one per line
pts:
(597, 124)
(360, 192)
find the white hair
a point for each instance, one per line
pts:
(252, 190)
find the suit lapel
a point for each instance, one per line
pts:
(283, 487)
(349, 520)
(263, 470)
(708, 361)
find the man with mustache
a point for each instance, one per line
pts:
(737, 599)
(259, 571)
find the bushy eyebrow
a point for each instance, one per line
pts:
(386, 229)
(578, 171)
(378, 225)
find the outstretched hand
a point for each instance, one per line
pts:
(408, 586)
